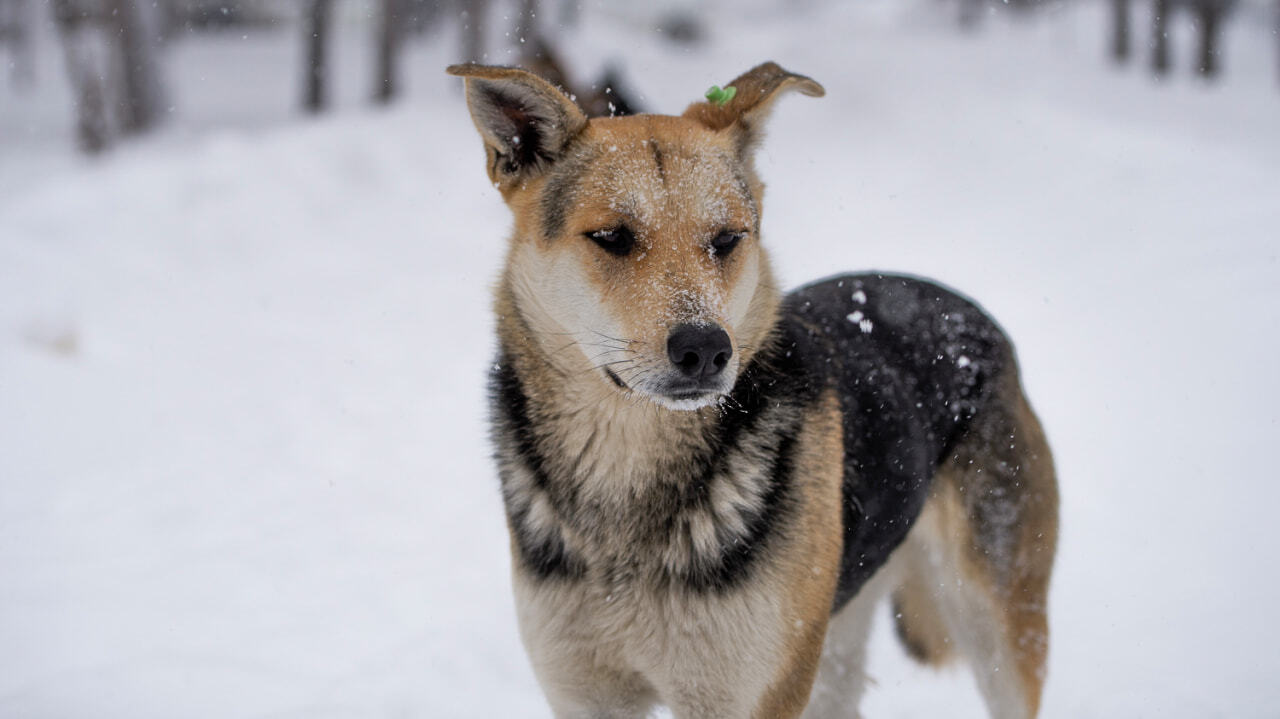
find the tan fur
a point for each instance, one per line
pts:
(810, 565)
(568, 314)
(919, 622)
(1014, 578)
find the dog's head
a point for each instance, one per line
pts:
(636, 254)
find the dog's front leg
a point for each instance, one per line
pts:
(577, 686)
(581, 676)
(754, 671)
(592, 694)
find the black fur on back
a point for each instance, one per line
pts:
(913, 363)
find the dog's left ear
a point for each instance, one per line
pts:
(526, 123)
(746, 110)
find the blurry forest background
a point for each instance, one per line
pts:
(246, 256)
(116, 54)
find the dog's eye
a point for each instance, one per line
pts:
(724, 242)
(616, 241)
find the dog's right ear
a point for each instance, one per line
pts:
(526, 123)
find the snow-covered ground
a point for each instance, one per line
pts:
(243, 465)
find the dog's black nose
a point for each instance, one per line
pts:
(700, 351)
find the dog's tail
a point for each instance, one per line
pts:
(919, 623)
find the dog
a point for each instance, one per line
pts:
(709, 485)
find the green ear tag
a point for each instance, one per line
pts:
(721, 97)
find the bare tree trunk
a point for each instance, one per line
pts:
(526, 21)
(1120, 30)
(315, 96)
(91, 111)
(389, 35)
(1210, 13)
(141, 100)
(1160, 38)
(473, 25)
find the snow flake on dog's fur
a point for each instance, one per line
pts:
(863, 322)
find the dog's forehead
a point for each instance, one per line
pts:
(656, 169)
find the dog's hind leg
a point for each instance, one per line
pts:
(988, 535)
(918, 617)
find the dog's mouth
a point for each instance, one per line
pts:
(689, 400)
(613, 377)
(683, 397)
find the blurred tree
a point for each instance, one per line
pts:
(396, 20)
(316, 41)
(1160, 37)
(390, 32)
(1120, 29)
(135, 27)
(473, 14)
(1210, 14)
(526, 21)
(72, 19)
(15, 31)
(607, 97)
(221, 14)
(419, 16)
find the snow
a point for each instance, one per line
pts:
(864, 323)
(244, 469)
